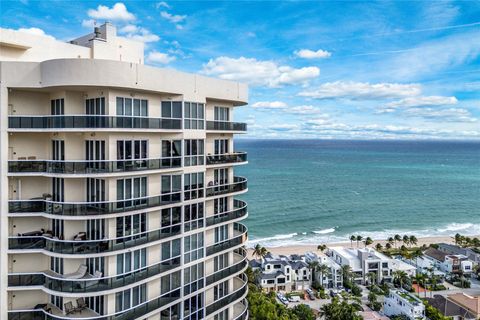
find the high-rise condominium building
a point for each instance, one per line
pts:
(118, 186)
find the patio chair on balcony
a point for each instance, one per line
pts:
(80, 273)
(69, 308)
(81, 305)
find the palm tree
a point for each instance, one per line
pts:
(372, 276)
(259, 251)
(368, 241)
(400, 276)
(406, 240)
(378, 247)
(397, 238)
(321, 247)
(413, 240)
(391, 241)
(352, 238)
(313, 265)
(359, 238)
(388, 246)
(322, 269)
(458, 239)
(347, 273)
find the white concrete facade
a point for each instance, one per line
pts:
(403, 303)
(117, 184)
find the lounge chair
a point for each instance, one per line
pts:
(68, 308)
(80, 273)
(81, 305)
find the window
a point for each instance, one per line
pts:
(223, 315)
(57, 107)
(96, 304)
(220, 176)
(58, 228)
(193, 278)
(171, 313)
(221, 233)
(220, 290)
(171, 220)
(95, 151)
(131, 261)
(131, 150)
(96, 192)
(96, 264)
(221, 146)
(58, 150)
(220, 262)
(172, 109)
(220, 205)
(130, 298)
(193, 307)
(56, 265)
(193, 247)
(194, 115)
(95, 106)
(132, 107)
(171, 152)
(222, 114)
(170, 250)
(132, 188)
(193, 216)
(171, 187)
(96, 229)
(57, 301)
(131, 226)
(58, 188)
(193, 184)
(170, 285)
(194, 153)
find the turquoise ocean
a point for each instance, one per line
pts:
(320, 191)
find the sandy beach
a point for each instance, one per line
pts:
(300, 249)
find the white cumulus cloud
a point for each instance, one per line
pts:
(362, 90)
(162, 4)
(172, 17)
(137, 33)
(310, 54)
(257, 72)
(36, 31)
(159, 57)
(118, 12)
(422, 101)
(444, 115)
(269, 105)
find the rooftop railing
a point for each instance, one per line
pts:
(92, 122)
(92, 166)
(226, 158)
(226, 126)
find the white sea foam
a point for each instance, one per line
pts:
(456, 227)
(325, 231)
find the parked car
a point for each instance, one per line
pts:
(294, 299)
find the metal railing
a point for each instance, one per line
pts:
(233, 242)
(230, 298)
(226, 158)
(226, 126)
(229, 271)
(239, 211)
(239, 184)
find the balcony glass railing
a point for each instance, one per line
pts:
(91, 166)
(240, 238)
(92, 122)
(91, 208)
(90, 246)
(226, 158)
(90, 284)
(244, 310)
(239, 184)
(231, 298)
(229, 271)
(239, 211)
(226, 126)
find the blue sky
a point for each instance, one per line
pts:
(353, 70)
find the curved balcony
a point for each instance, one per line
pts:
(227, 158)
(239, 211)
(90, 246)
(91, 208)
(240, 264)
(58, 283)
(92, 166)
(240, 237)
(239, 184)
(241, 286)
(226, 126)
(92, 122)
(240, 310)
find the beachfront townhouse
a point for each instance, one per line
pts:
(333, 278)
(449, 263)
(118, 186)
(282, 273)
(457, 250)
(400, 302)
(367, 264)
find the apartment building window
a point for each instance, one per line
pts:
(57, 107)
(96, 304)
(131, 150)
(221, 262)
(171, 220)
(222, 315)
(95, 106)
(96, 265)
(194, 115)
(132, 188)
(131, 226)
(194, 153)
(95, 153)
(56, 265)
(171, 313)
(221, 233)
(58, 150)
(130, 298)
(170, 254)
(57, 301)
(170, 285)
(171, 185)
(221, 146)
(193, 307)
(221, 114)
(220, 205)
(193, 247)
(193, 278)
(220, 176)
(58, 226)
(96, 229)
(171, 150)
(193, 184)
(131, 261)
(96, 192)
(220, 290)
(172, 109)
(58, 189)
(193, 216)
(132, 107)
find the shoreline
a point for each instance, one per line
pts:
(301, 249)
